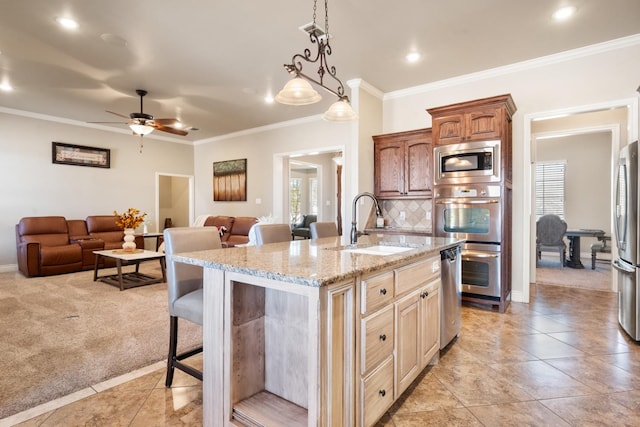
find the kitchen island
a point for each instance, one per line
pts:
(317, 332)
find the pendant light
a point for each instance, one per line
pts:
(299, 91)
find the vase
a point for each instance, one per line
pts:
(129, 244)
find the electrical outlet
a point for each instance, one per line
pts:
(402, 216)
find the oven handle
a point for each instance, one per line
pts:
(466, 202)
(467, 256)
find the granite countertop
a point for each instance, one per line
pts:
(317, 262)
(419, 231)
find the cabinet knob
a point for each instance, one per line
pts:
(383, 291)
(383, 337)
(382, 392)
(424, 294)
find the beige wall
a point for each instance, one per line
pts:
(33, 186)
(259, 149)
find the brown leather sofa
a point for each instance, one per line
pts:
(49, 245)
(237, 228)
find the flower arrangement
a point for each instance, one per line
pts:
(129, 219)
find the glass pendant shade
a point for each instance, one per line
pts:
(298, 91)
(141, 129)
(340, 111)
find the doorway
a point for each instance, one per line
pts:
(319, 165)
(572, 177)
(174, 201)
(625, 130)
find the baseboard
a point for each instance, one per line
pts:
(516, 296)
(8, 268)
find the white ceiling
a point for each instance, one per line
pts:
(210, 63)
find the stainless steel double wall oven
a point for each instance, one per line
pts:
(468, 205)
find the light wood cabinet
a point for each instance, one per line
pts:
(399, 332)
(402, 164)
(417, 328)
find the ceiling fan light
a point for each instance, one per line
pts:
(340, 111)
(141, 129)
(298, 91)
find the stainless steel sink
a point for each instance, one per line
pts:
(378, 250)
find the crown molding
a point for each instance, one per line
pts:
(556, 58)
(71, 122)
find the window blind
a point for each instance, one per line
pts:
(550, 188)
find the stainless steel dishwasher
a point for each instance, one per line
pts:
(451, 297)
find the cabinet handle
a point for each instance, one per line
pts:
(383, 337)
(382, 393)
(424, 294)
(383, 291)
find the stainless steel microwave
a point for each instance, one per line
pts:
(469, 162)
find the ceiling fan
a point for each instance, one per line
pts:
(143, 124)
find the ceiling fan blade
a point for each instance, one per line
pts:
(171, 130)
(166, 122)
(118, 114)
(119, 123)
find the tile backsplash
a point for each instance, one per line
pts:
(415, 211)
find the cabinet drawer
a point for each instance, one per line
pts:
(377, 392)
(415, 275)
(378, 338)
(377, 291)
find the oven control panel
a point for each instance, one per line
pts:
(467, 192)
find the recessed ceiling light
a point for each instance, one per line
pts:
(68, 23)
(269, 99)
(564, 13)
(412, 57)
(6, 87)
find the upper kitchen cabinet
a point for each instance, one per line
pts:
(479, 120)
(402, 164)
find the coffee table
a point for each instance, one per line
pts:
(132, 279)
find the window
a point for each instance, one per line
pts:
(550, 188)
(295, 200)
(313, 196)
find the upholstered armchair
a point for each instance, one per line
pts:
(302, 229)
(550, 231)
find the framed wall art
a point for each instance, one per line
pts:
(230, 181)
(79, 155)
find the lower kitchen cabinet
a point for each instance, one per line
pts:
(418, 333)
(399, 332)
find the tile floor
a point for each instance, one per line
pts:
(561, 360)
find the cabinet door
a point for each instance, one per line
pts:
(448, 129)
(389, 168)
(418, 180)
(482, 124)
(430, 322)
(407, 348)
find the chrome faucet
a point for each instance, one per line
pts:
(354, 230)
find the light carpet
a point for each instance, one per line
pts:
(549, 272)
(63, 333)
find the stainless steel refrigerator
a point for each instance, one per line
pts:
(626, 232)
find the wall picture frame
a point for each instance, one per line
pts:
(230, 181)
(80, 155)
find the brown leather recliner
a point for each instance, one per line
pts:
(43, 247)
(78, 233)
(104, 227)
